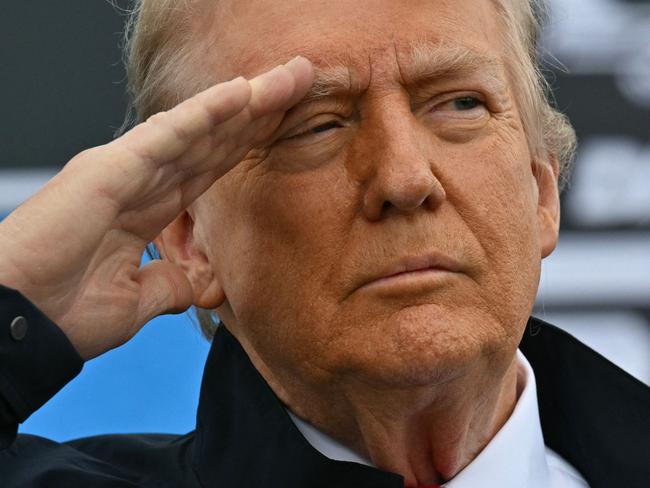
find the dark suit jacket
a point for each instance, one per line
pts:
(593, 414)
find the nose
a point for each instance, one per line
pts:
(403, 178)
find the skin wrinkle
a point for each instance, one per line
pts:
(427, 60)
(399, 68)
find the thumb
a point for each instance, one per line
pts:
(164, 289)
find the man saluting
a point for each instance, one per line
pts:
(367, 220)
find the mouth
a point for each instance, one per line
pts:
(411, 273)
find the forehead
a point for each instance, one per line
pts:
(248, 37)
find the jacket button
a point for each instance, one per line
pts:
(18, 328)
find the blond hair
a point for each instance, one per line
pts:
(163, 48)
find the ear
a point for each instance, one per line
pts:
(177, 243)
(546, 173)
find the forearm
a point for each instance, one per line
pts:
(36, 361)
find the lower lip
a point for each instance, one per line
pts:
(420, 280)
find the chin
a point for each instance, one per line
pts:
(426, 344)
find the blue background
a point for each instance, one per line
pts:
(151, 384)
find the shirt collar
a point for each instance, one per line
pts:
(515, 457)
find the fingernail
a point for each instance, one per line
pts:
(239, 79)
(295, 62)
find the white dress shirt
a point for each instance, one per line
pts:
(516, 457)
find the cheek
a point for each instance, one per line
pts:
(494, 194)
(283, 235)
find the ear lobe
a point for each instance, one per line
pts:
(177, 244)
(546, 173)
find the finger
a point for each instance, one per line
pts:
(167, 135)
(273, 93)
(164, 289)
(280, 88)
(303, 73)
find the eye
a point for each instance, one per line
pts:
(325, 127)
(467, 104)
(315, 130)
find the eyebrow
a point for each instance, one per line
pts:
(425, 62)
(330, 82)
(431, 61)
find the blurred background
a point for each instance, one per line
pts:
(62, 86)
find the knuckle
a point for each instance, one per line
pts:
(139, 153)
(167, 122)
(179, 132)
(88, 155)
(157, 118)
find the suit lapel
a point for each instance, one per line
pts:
(593, 413)
(245, 437)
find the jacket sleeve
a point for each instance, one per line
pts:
(36, 361)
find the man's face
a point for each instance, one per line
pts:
(399, 169)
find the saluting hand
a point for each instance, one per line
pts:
(74, 248)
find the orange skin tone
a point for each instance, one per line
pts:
(418, 374)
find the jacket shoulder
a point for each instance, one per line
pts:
(592, 412)
(122, 460)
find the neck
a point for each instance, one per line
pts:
(426, 433)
